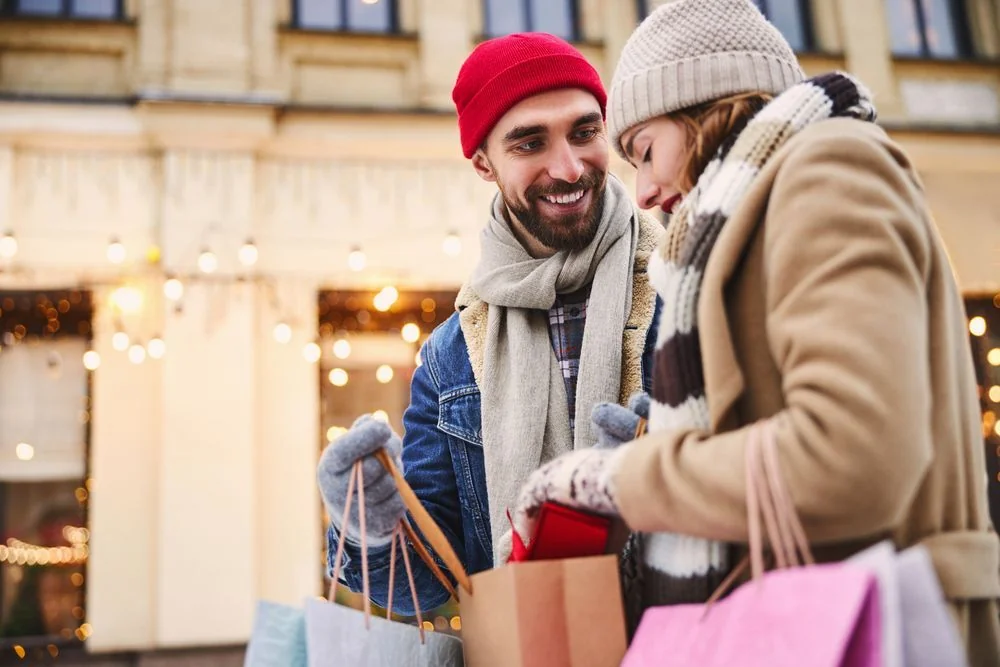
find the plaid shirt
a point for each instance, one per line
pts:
(567, 317)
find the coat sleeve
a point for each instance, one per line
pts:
(846, 250)
(428, 469)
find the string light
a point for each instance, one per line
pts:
(120, 341)
(207, 261)
(115, 252)
(452, 245)
(127, 299)
(995, 393)
(91, 360)
(8, 245)
(356, 260)
(136, 353)
(248, 254)
(341, 349)
(338, 377)
(173, 289)
(381, 415)
(282, 333)
(993, 357)
(385, 298)
(24, 451)
(312, 352)
(977, 326)
(411, 332)
(384, 374)
(156, 348)
(334, 432)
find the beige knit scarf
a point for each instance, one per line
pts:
(525, 418)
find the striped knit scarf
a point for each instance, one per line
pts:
(676, 568)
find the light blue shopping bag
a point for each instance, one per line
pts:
(278, 638)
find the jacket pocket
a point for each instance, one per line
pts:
(459, 414)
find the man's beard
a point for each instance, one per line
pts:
(569, 232)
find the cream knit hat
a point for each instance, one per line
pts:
(692, 51)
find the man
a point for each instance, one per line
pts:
(556, 319)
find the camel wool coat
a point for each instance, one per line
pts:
(829, 303)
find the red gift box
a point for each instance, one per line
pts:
(563, 532)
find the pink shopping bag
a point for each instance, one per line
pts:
(796, 615)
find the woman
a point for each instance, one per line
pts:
(803, 281)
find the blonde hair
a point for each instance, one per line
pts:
(708, 125)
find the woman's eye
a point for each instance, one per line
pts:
(647, 154)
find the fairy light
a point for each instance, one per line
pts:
(8, 245)
(338, 377)
(248, 253)
(977, 326)
(120, 341)
(384, 300)
(282, 333)
(24, 451)
(156, 348)
(452, 244)
(312, 352)
(342, 349)
(411, 332)
(207, 261)
(384, 374)
(173, 289)
(356, 260)
(127, 299)
(136, 353)
(115, 252)
(91, 360)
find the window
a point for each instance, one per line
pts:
(74, 9)
(558, 17)
(984, 330)
(928, 28)
(44, 434)
(363, 16)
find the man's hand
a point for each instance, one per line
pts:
(383, 505)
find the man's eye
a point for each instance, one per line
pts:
(529, 146)
(586, 134)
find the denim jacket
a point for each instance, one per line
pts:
(443, 449)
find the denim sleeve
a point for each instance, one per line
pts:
(428, 469)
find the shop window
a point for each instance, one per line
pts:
(71, 9)
(370, 342)
(928, 28)
(558, 17)
(984, 334)
(361, 16)
(44, 487)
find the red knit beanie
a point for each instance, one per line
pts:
(503, 71)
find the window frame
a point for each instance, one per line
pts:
(965, 48)
(574, 8)
(10, 9)
(392, 29)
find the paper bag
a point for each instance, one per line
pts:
(337, 637)
(278, 638)
(545, 614)
(551, 613)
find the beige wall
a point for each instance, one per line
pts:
(203, 462)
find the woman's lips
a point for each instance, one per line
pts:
(668, 206)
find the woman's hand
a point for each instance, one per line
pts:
(581, 479)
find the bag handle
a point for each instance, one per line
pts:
(439, 543)
(357, 478)
(767, 497)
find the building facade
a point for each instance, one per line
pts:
(249, 213)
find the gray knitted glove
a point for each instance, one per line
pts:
(614, 424)
(383, 505)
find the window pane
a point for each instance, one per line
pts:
(43, 600)
(553, 16)
(105, 9)
(323, 14)
(904, 30)
(39, 6)
(369, 15)
(940, 25)
(503, 17)
(786, 15)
